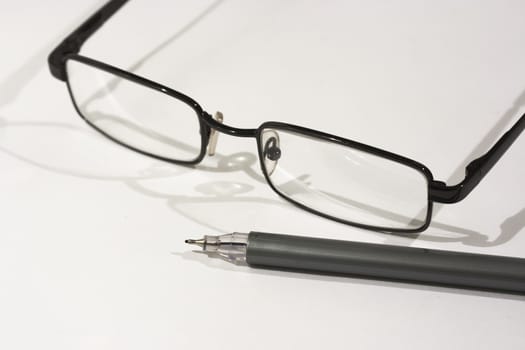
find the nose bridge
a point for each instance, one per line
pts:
(226, 129)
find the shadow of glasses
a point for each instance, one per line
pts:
(216, 193)
(240, 161)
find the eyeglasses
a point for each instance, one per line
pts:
(327, 175)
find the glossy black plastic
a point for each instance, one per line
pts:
(75, 40)
(477, 169)
(438, 191)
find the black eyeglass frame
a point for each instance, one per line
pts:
(438, 191)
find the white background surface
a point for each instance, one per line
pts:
(91, 234)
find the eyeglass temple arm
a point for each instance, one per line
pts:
(477, 169)
(75, 40)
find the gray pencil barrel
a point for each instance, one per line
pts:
(386, 261)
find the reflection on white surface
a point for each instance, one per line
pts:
(223, 188)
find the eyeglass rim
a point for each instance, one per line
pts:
(203, 127)
(439, 191)
(206, 123)
(420, 168)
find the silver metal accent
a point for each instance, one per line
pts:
(200, 242)
(230, 247)
(214, 134)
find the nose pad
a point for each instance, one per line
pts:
(271, 150)
(214, 134)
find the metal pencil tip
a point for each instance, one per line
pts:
(200, 242)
